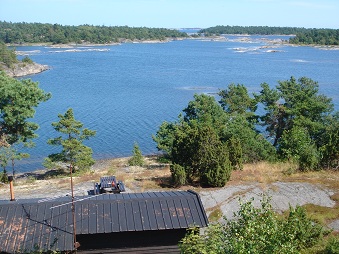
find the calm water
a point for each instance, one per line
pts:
(125, 92)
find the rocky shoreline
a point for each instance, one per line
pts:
(24, 69)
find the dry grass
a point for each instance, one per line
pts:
(156, 176)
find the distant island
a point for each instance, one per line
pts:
(303, 36)
(32, 33)
(38, 33)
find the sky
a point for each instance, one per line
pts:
(175, 13)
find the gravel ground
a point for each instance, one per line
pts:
(283, 195)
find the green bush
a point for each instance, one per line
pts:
(332, 246)
(4, 177)
(27, 60)
(137, 158)
(178, 175)
(256, 230)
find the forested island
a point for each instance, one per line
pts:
(25, 33)
(305, 36)
(20, 33)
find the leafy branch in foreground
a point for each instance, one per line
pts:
(256, 230)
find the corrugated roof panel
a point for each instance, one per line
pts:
(151, 214)
(54, 235)
(129, 216)
(12, 227)
(165, 214)
(100, 216)
(195, 214)
(63, 227)
(115, 217)
(31, 211)
(158, 214)
(144, 217)
(107, 218)
(137, 216)
(122, 220)
(93, 219)
(84, 218)
(23, 231)
(173, 214)
(187, 212)
(180, 213)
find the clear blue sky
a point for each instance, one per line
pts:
(175, 13)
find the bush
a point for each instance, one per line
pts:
(27, 60)
(4, 176)
(256, 230)
(137, 159)
(178, 175)
(332, 246)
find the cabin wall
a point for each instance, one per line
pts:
(132, 239)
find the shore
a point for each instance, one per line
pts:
(24, 69)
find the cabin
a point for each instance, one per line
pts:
(149, 222)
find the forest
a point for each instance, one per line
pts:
(305, 36)
(211, 137)
(18, 33)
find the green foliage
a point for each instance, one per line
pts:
(264, 30)
(317, 36)
(18, 98)
(236, 100)
(235, 153)
(164, 137)
(303, 35)
(7, 56)
(299, 121)
(297, 145)
(4, 176)
(329, 143)
(48, 33)
(74, 152)
(137, 158)
(256, 230)
(178, 175)
(332, 246)
(200, 151)
(27, 60)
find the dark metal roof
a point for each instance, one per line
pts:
(49, 224)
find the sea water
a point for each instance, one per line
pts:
(126, 91)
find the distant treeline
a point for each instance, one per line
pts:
(18, 33)
(303, 35)
(317, 36)
(262, 30)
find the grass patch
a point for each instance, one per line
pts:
(322, 214)
(215, 215)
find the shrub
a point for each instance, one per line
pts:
(137, 159)
(332, 246)
(256, 230)
(27, 60)
(178, 175)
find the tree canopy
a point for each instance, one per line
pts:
(302, 35)
(74, 153)
(17, 33)
(294, 122)
(18, 100)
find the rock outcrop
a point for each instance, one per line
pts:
(24, 69)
